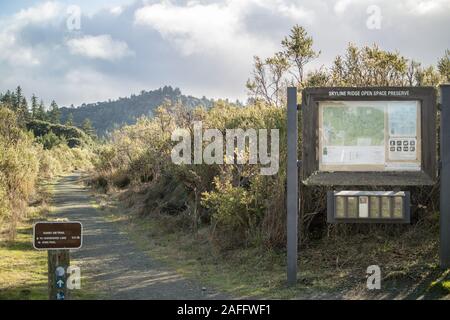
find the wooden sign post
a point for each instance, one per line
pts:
(58, 262)
(57, 238)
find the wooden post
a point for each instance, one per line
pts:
(58, 258)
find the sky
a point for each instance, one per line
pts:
(77, 51)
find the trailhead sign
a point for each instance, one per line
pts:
(57, 235)
(361, 138)
(369, 136)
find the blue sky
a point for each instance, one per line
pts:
(205, 48)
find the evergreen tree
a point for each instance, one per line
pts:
(22, 111)
(17, 99)
(69, 121)
(8, 99)
(54, 113)
(88, 128)
(34, 106)
(41, 114)
(298, 50)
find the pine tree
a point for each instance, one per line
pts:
(298, 50)
(22, 111)
(17, 99)
(69, 121)
(54, 113)
(88, 128)
(41, 114)
(34, 106)
(8, 99)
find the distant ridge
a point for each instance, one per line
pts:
(108, 115)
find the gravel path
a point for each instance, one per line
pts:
(109, 259)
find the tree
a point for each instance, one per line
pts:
(444, 66)
(413, 68)
(371, 66)
(428, 77)
(299, 52)
(317, 78)
(69, 121)
(87, 127)
(22, 111)
(54, 113)
(18, 99)
(8, 99)
(270, 77)
(34, 106)
(40, 113)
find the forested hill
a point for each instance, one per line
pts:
(107, 115)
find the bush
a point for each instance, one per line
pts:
(234, 201)
(51, 134)
(235, 212)
(24, 160)
(50, 140)
(19, 167)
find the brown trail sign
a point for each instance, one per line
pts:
(57, 235)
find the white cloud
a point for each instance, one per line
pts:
(12, 49)
(216, 27)
(341, 6)
(99, 47)
(424, 7)
(195, 27)
(41, 13)
(204, 47)
(116, 11)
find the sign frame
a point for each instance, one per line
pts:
(310, 173)
(57, 248)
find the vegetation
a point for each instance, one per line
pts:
(232, 199)
(239, 207)
(112, 114)
(333, 267)
(50, 134)
(32, 150)
(229, 210)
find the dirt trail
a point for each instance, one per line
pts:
(110, 261)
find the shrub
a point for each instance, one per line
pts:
(234, 212)
(19, 169)
(47, 132)
(49, 140)
(236, 203)
(24, 160)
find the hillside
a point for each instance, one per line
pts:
(107, 115)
